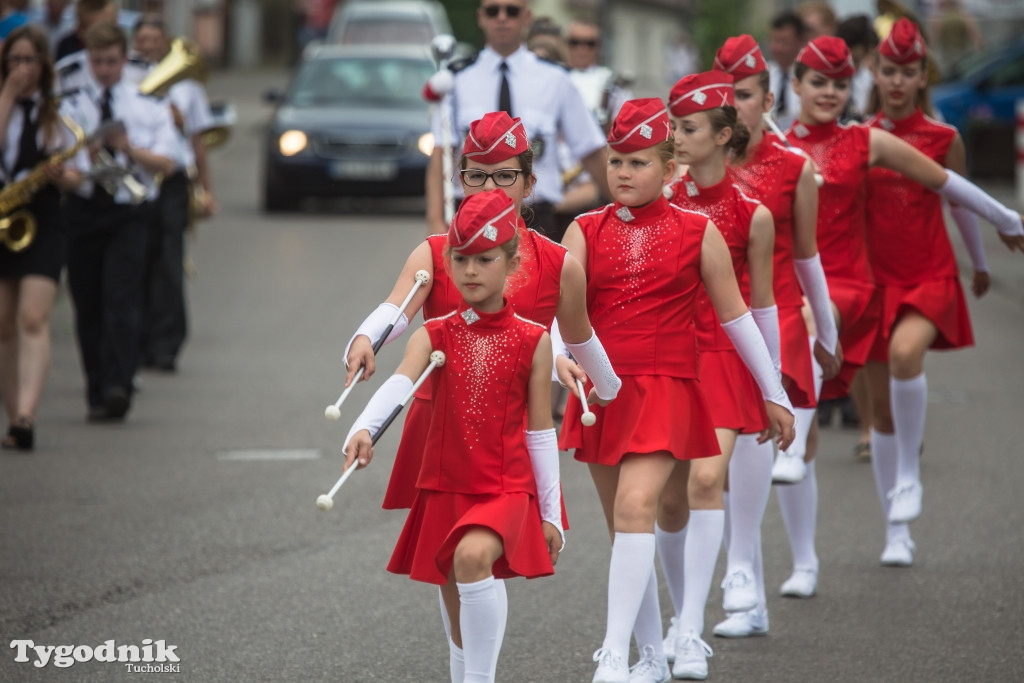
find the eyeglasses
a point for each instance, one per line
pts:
(503, 177)
(17, 60)
(511, 11)
(580, 42)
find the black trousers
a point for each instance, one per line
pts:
(164, 321)
(106, 251)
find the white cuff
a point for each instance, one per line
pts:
(543, 448)
(748, 342)
(557, 349)
(811, 276)
(595, 362)
(767, 321)
(962, 191)
(375, 324)
(384, 400)
(967, 224)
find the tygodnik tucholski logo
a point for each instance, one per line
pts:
(150, 657)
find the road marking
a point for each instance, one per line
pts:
(269, 455)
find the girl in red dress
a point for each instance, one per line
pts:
(646, 261)
(485, 507)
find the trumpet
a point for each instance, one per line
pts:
(18, 225)
(111, 175)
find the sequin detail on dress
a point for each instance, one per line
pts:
(624, 214)
(470, 316)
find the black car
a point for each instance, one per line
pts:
(352, 123)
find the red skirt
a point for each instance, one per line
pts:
(438, 520)
(401, 491)
(732, 393)
(940, 301)
(860, 310)
(797, 370)
(651, 413)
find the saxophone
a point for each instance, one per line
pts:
(18, 225)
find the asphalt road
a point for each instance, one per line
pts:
(194, 522)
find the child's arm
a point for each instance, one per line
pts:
(358, 443)
(760, 248)
(542, 443)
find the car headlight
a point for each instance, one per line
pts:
(292, 142)
(426, 144)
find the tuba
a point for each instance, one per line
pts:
(184, 61)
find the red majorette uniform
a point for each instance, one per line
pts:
(533, 292)
(475, 468)
(734, 397)
(842, 154)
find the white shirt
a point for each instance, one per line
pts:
(542, 95)
(189, 98)
(860, 91)
(783, 79)
(12, 139)
(597, 87)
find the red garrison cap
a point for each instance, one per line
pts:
(484, 220)
(829, 55)
(904, 44)
(495, 137)
(700, 92)
(640, 124)
(740, 56)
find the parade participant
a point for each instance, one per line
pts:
(488, 501)
(645, 261)
(843, 155)
(549, 284)
(88, 14)
(598, 84)
(505, 76)
(107, 230)
(923, 304)
(32, 132)
(788, 34)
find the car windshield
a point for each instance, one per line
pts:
(369, 81)
(384, 31)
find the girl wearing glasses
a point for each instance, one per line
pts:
(646, 261)
(31, 132)
(548, 285)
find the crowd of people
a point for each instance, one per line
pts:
(115, 168)
(735, 272)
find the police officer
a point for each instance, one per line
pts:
(507, 76)
(108, 222)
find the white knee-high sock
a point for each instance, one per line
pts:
(629, 572)
(671, 551)
(726, 538)
(762, 599)
(703, 541)
(798, 504)
(909, 398)
(816, 369)
(884, 456)
(750, 484)
(456, 662)
(647, 629)
(804, 419)
(480, 617)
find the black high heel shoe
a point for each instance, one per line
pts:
(20, 435)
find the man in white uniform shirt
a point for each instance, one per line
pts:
(788, 35)
(107, 230)
(505, 75)
(596, 83)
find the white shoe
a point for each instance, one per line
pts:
(611, 667)
(691, 657)
(652, 668)
(789, 468)
(906, 503)
(668, 645)
(739, 593)
(802, 583)
(743, 624)
(898, 552)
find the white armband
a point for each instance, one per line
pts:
(748, 342)
(543, 448)
(967, 224)
(384, 400)
(595, 362)
(375, 324)
(767, 321)
(962, 191)
(811, 276)
(557, 349)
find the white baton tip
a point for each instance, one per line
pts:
(437, 357)
(819, 180)
(324, 502)
(588, 419)
(422, 276)
(332, 412)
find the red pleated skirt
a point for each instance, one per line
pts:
(797, 370)
(651, 413)
(732, 393)
(940, 301)
(860, 311)
(438, 520)
(401, 491)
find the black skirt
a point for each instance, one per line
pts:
(45, 256)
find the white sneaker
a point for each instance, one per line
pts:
(651, 668)
(611, 667)
(789, 468)
(691, 657)
(802, 583)
(906, 503)
(668, 645)
(739, 593)
(898, 552)
(743, 624)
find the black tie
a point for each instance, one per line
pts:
(27, 151)
(504, 98)
(100, 197)
(781, 109)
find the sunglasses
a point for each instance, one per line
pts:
(511, 11)
(578, 42)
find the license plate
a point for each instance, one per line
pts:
(363, 170)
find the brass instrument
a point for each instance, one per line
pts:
(184, 61)
(18, 225)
